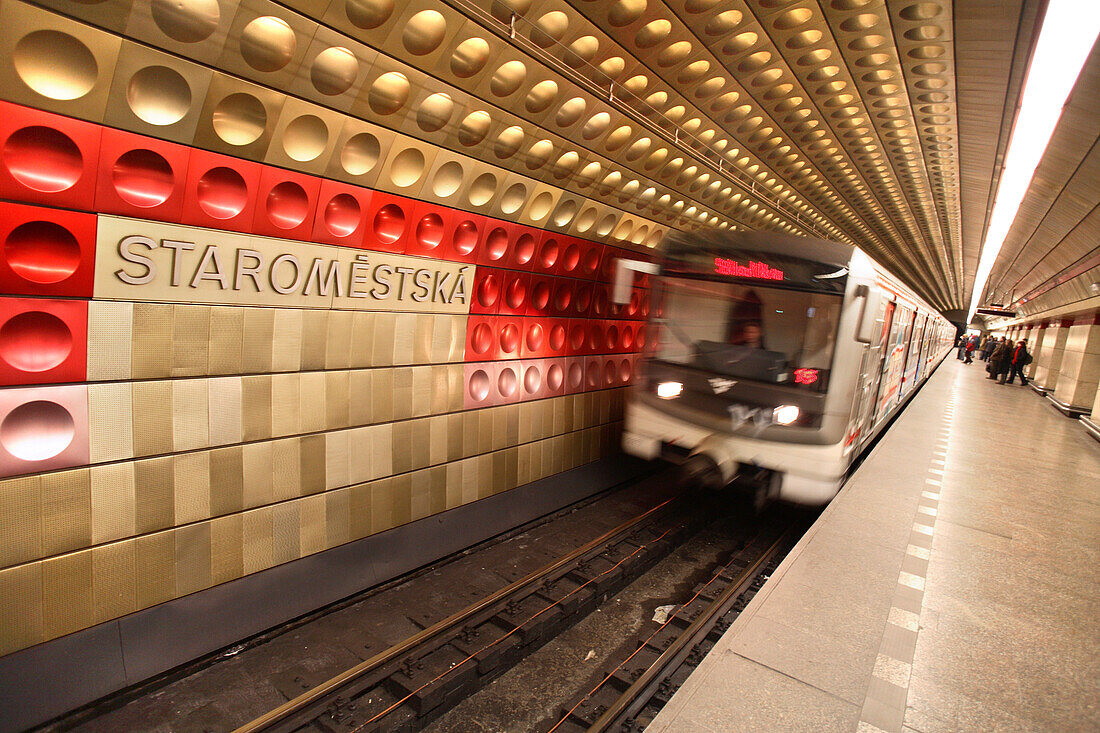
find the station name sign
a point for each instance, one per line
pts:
(140, 260)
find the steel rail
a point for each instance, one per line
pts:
(639, 693)
(293, 711)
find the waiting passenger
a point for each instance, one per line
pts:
(999, 359)
(1018, 359)
(985, 347)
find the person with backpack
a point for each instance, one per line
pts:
(1018, 359)
(999, 359)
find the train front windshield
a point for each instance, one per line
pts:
(751, 332)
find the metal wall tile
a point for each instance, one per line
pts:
(152, 344)
(360, 396)
(21, 623)
(110, 417)
(113, 502)
(382, 395)
(286, 347)
(337, 459)
(256, 396)
(226, 548)
(113, 581)
(312, 397)
(154, 569)
(155, 93)
(422, 390)
(259, 325)
(362, 340)
(336, 518)
(154, 501)
(381, 443)
(339, 339)
(314, 338)
(382, 344)
(337, 398)
(109, 340)
(313, 470)
(226, 480)
(67, 594)
(420, 495)
(190, 414)
(286, 540)
(258, 540)
(191, 481)
(286, 469)
(225, 410)
(285, 404)
(190, 340)
(420, 442)
(311, 531)
(226, 339)
(193, 558)
(66, 511)
(21, 508)
(152, 410)
(359, 454)
(258, 471)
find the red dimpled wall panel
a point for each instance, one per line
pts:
(431, 225)
(140, 176)
(46, 251)
(496, 242)
(221, 192)
(514, 294)
(285, 204)
(464, 237)
(43, 341)
(488, 287)
(42, 429)
(47, 159)
(341, 216)
(388, 223)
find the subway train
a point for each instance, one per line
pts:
(776, 361)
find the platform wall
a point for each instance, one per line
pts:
(268, 289)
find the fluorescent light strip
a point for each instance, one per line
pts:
(1069, 31)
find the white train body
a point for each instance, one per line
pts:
(778, 358)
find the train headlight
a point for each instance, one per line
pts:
(669, 390)
(785, 414)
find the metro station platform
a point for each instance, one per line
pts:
(951, 585)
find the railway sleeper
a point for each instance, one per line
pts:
(359, 715)
(572, 598)
(419, 680)
(490, 645)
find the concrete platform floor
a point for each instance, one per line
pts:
(951, 586)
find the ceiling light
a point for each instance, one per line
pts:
(1067, 35)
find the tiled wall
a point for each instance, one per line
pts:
(186, 398)
(1080, 369)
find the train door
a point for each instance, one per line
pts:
(893, 353)
(912, 354)
(870, 375)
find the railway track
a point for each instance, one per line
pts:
(407, 685)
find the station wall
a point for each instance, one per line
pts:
(262, 294)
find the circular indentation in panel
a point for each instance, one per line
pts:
(539, 153)
(610, 373)
(525, 248)
(482, 189)
(921, 11)
(571, 258)
(36, 431)
(540, 206)
(465, 237)
(267, 43)
(509, 338)
(55, 65)
(596, 125)
(570, 112)
(508, 78)
(507, 382)
(653, 33)
(625, 371)
(342, 214)
(429, 231)
(360, 154)
(479, 384)
(581, 51)
(565, 212)
(487, 293)
(389, 223)
(541, 96)
(222, 193)
(548, 253)
(513, 198)
(239, 119)
(515, 295)
(591, 260)
(576, 337)
(368, 14)
(618, 137)
(557, 337)
(186, 21)
(508, 142)
(722, 23)
(582, 299)
(474, 127)
(576, 376)
(549, 29)
(35, 341)
(639, 337)
(43, 159)
(563, 296)
(305, 138)
(435, 112)
(424, 32)
(287, 205)
(625, 12)
(502, 10)
(334, 71)
(407, 168)
(674, 53)
(627, 338)
(469, 57)
(540, 295)
(605, 225)
(158, 95)
(388, 93)
(447, 179)
(496, 243)
(793, 19)
(42, 252)
(586, 219)
(532, 380)
(592, 375)
(142, 178)
(566, 164)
